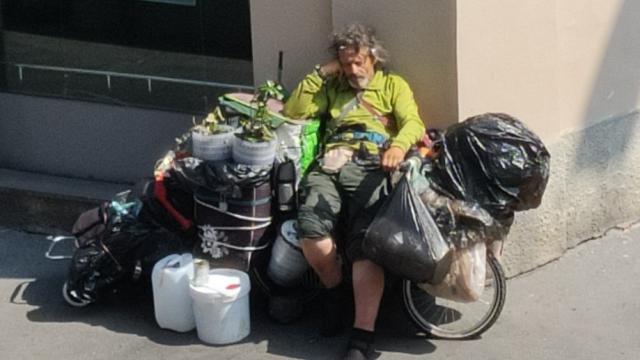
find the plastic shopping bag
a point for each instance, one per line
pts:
(404, 239)
(466, 277)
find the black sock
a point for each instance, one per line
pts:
(361, 339)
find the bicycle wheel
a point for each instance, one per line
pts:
(445, 319)
(73, 298)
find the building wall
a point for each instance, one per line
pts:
(426, 59)
(570, 69)
(421, 37)
(84, 140)
(564, 65)
(299, 28)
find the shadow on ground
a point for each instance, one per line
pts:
(130, 311)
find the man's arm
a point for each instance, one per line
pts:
(410, 127)
(405, 110)
(308, 99)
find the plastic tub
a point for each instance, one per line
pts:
(253, 153)
(221, 307)
(287, 264)
(171, 300)
(213, 147)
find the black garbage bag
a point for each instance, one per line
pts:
(493, 160)
(115, 249)
(186, 175)
(229, 177)
(404, 239)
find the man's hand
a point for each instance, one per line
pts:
(330, 69)
(392, 158)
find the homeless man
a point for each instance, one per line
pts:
(371, 121)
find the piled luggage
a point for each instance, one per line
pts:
(201, 219)
(440, 220)
(216, 194)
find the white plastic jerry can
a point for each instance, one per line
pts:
(171, 300)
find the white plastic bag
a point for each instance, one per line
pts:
(466, 277)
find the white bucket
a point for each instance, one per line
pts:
(213, 147)
(287, 264)
(221, 307)
(253, 153)
(171, 300)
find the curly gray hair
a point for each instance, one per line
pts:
(357, 36)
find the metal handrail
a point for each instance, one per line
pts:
(148, 78)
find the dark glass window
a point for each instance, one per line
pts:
(172, 54)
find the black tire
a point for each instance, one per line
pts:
(72, 298)
(446, 319)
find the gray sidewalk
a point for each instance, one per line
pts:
(584, 306)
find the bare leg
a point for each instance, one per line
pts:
(368, 286)
(323, 258)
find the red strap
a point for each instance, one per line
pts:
(160, 193)
(385, 120)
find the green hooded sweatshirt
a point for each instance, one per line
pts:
(387, 93)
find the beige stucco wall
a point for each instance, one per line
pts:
(559, 65)
(300, 28)
(420, 36)
(426, 58)
(506, 59)
(570, 69)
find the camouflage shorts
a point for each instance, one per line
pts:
(349, 198)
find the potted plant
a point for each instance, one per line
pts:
(256, 143)
(212, 139)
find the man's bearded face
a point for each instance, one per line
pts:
(358, 66)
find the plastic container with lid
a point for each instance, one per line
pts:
(213, 147)
(221, 307)
(254, 153)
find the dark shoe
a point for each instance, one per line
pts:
(355, 354)
(334, 308)
(359, 350)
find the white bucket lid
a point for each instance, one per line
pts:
(223, 285)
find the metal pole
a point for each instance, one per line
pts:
(280, 58)
(148, 78)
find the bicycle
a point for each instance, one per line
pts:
(437, 317)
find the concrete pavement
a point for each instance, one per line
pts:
(583, 306)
